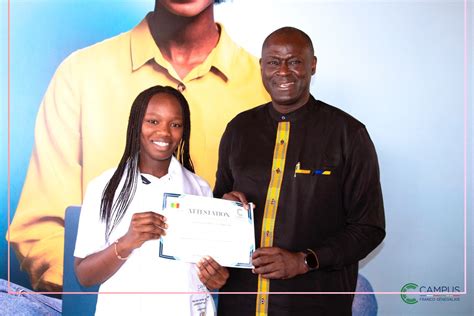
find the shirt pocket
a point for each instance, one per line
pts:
(316, 179)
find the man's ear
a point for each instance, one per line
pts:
(313, 65)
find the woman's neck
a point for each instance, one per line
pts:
(155, 168)
(185, 42)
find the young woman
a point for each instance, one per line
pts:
(120, 225)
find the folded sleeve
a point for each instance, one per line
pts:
(362, 197)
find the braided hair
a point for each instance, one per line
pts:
(112, 211)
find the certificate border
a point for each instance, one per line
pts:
(243, 265)
(165, 197)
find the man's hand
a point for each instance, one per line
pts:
(238, 197)
(278, 263)
(212, 274)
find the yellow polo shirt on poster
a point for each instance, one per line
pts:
(81, 129)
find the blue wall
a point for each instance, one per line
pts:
(3, 136)
(398, 66)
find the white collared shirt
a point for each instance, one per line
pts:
(144, 271)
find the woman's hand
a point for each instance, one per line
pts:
(143, 227)
(212, 274)
(100, 266)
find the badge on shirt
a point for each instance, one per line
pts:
(298, 170)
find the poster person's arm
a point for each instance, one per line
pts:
(53, 182)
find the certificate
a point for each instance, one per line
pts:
(202, 226)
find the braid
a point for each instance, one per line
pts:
(112, 211)
(183, 150)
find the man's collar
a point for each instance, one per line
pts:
(220, 58)
(143, 48)
(142, 44)
(296, 115)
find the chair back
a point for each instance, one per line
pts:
(74, 302)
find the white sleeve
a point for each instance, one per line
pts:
(91, 230)
(207, 191)
(204, 186)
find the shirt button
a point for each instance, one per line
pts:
(272, 201)
(278, 170)
(282, 142)
(181, 87)
(283, 117)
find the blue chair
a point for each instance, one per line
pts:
(74, 304)
(364, 304)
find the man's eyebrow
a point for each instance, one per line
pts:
(280, 56)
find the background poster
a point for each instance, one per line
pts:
(403, 68)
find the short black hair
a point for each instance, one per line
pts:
(291, 30)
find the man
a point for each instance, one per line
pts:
(312, 172)
(81, 124)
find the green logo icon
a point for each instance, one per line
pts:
(405, 288)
